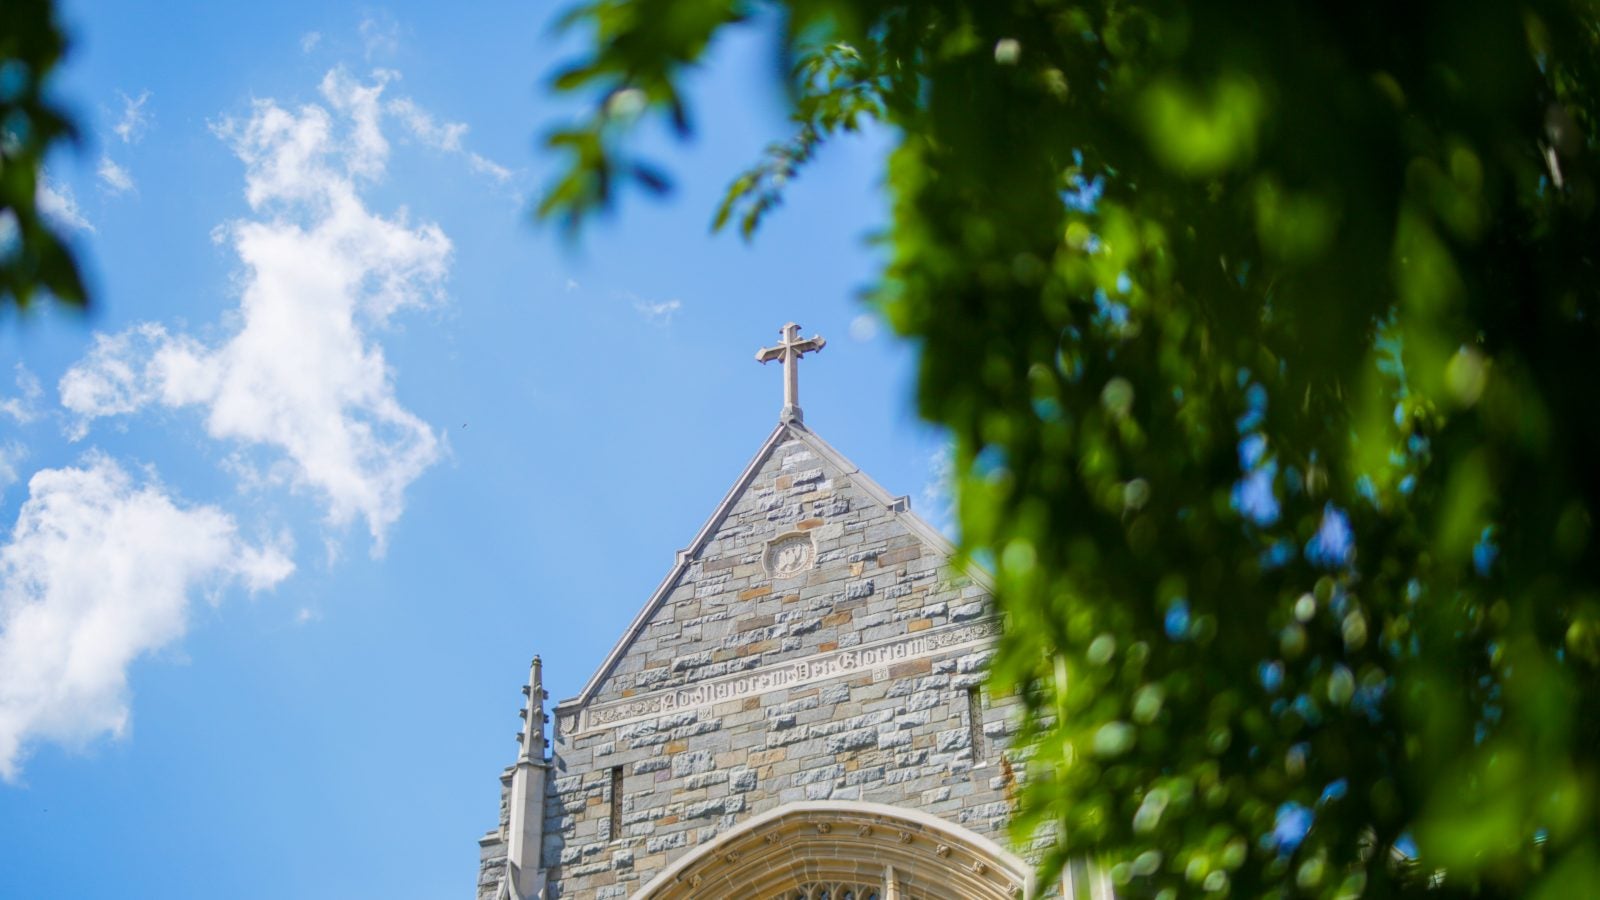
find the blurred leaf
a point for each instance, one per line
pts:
(35, 256)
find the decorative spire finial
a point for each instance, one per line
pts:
(789, 350)
(533, 717)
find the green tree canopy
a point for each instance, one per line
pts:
(1267, 337)
(34, 257)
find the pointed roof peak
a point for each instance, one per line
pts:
(785, 431)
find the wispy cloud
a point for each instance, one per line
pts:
(380, 35)
(24, 407)
(660, 312)
(301, 377)
(485, 166)
(114, 177)
(444, 136)
(97, 572)
(12, 453)
(934, 503)
(120, 374)
(309, 41)
(58, 204)
(134, 121)
(864, 327)
(440, 136)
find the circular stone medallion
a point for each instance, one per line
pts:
(790, 554)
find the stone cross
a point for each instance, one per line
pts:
(790, 349)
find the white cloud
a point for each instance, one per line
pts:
(98, 571)
(935, 505)
(60, 207)
(489, 167)
(134, 122)
(118, 375)
(309, 41)
(24, 407)
(444, 136)
(365, 156)
(11, 456)
(418, 121)
(116, 178)
(380, 35)
(572, 285)
(301, 378)
(660, 313)
(864, 327)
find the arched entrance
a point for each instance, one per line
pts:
(842, 850)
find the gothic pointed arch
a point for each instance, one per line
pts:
(844, 850)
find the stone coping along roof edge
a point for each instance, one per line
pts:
(900, 507)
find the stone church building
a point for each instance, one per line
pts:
(797, 713)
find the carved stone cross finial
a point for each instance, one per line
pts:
(790, 349)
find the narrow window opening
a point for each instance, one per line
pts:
(1078, 884)
(616, 803)
(975, 722)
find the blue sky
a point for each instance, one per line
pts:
(347, 439)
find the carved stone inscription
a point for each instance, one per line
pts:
(790, 674)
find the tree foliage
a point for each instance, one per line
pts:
(1266, 333)
(34, 257)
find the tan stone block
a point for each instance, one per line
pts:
(755, 592)
(908, 669)
(838, 618)
(767, 757)
(676, 746)
(757, 647)
(827, 646)
(919, 625)
(808, 524)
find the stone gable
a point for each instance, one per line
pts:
(871, 578)
(813, 643)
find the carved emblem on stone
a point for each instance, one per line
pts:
(942, 850)
(790, 554)
(772, 837)
(864, 830)
(824, 827)
(980, 867)
(905, 837)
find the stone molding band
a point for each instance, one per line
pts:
(788, 674)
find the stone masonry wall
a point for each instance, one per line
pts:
(744, 691)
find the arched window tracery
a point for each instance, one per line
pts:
(834, 890)
(843, 850)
